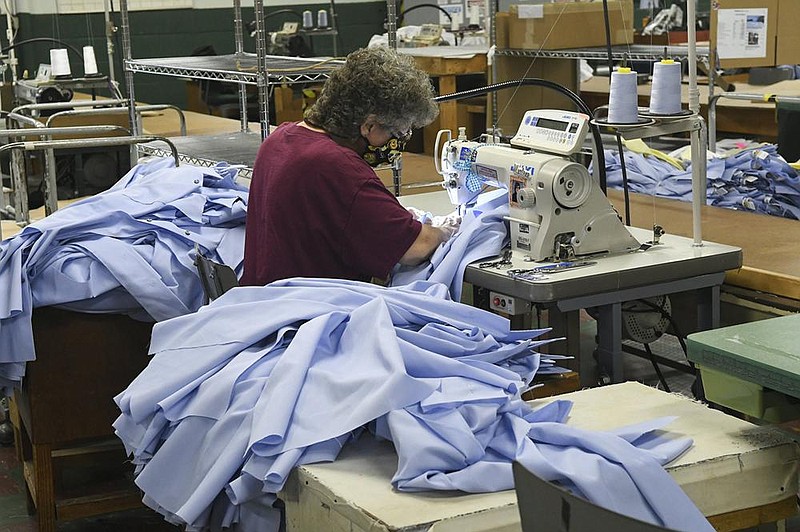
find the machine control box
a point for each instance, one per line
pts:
(508, 304)
(552, 131)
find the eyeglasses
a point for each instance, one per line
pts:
(401, 136)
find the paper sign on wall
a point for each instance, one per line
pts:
(456, 10)
(530, 11)
(742, 33)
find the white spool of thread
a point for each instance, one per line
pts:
(308, 19)
(89, 62)
(665, 94)
(474, 15)
(322, 18)
(622, 98)
(59, 63)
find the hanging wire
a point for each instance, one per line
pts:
(530, 66)
(56, 25)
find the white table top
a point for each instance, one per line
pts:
(733, 465)
(450, 52)
(674, 259)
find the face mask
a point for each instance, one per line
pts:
(386, 154)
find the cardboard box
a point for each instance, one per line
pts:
(290, 106)
(558, 26)
(745, 32)
(787, 50)
(512, 103)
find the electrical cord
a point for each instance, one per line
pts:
(412, 8)
(610, 54)
(43, 39)
(539, 82)
(656, 367)
(624, 180)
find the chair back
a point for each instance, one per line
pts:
(216, 278)
(546, 507)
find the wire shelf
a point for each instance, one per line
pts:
(636, 52)
(239, 148)
(238, 68)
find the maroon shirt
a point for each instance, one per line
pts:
(316, 209)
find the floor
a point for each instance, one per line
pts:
(14, 516)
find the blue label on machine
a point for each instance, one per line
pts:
(466, 153)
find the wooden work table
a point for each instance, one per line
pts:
(447, 63)
(770, 260)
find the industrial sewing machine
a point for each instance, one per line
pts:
(556, 210)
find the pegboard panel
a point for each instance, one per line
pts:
(95, 6)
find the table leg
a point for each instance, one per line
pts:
(568, 325)
(708, 308)
(609, 341)
(43, 490)
(448, 111)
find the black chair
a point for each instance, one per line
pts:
(546, 507)
(216, 278)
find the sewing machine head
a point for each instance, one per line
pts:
(556, 210)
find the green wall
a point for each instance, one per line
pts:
(177, 33)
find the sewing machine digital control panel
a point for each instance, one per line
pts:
(552, 131)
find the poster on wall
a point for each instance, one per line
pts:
(465, 14)
(456, 10)
(742, 33)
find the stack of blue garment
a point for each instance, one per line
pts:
(127, 250)
(267, 378)
(755, 179)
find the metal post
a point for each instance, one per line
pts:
(712, 123)
(238, 37)
(490, 58)
(49, 185)
(262, 76)
(20, 181)
(12, 58)
(127, 56)
(335, 28)
(699, 172)
(110, 29)
(698, 138)
(691, 23)
(391, 23)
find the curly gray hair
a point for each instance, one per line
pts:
(374, 81)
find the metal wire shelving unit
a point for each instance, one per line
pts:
(242, 68)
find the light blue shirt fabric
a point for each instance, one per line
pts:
(483, 233)
(266, 378)
(127, 250)
(756, 179)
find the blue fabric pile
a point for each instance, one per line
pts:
(267, 378)
(756, 179)
(127, 250)
(483, 233)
